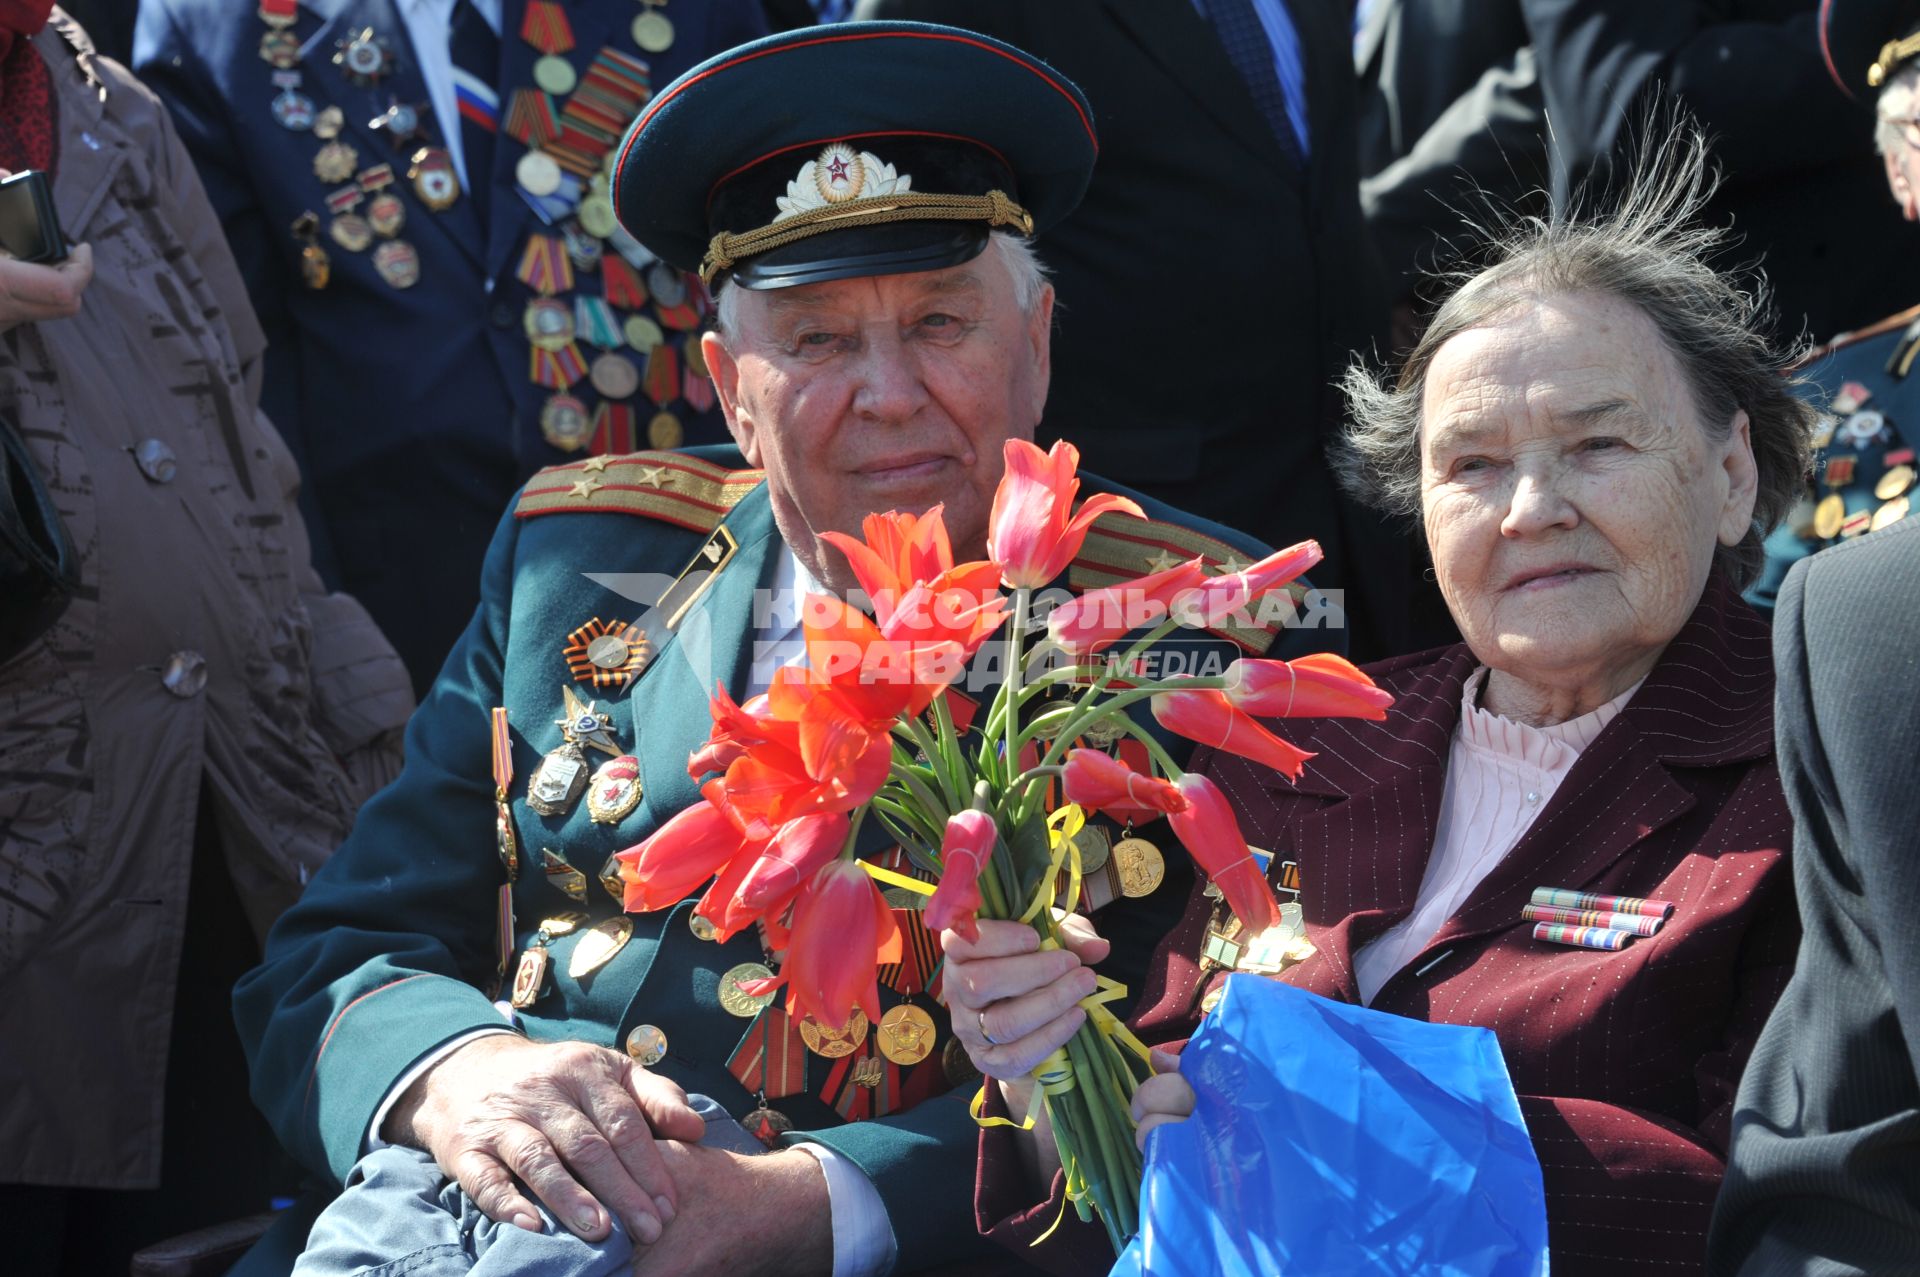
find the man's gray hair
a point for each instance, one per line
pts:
(1897, 105)
(1029, 277)
(1650, 252)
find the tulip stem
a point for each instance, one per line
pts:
(1010, 684)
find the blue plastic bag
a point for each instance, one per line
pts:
(1330, 1139)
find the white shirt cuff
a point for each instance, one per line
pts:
(412, 1075)
(863, 1244)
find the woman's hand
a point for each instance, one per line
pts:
(30, 293)
(1164, 1097)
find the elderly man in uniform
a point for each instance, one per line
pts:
(1865, 467)
(860, 201)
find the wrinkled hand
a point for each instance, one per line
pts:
(1164, 1097)
(30, 293)
(577, 1123)
(742, 1216)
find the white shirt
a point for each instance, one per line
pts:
(427, 22)
(1500, 776)
(863, 1240)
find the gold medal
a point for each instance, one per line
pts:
(642, 333)
(1892, 512)
(614, 791)
(386, 214)
(433, 178)
(334, 162)
(611, 879)
(351, 232)
(906, 1034)
(1212, 1000)
(328, 123)
(1829, 515)
(397, 263)
(1141, 867)
(647, 1045)
(653, 31)
(597, 947)
(280, 48)
(665, 431)
(1095, 847)
(596, 215)
(734, 1001)
(530, 977)
(555, 74)
(563, 875)
(957, 1064)
(614, 376)
(537, 173)
(868, 1072)
(564, 423)
(548, 323)
(1894, 482)
(835, 1043)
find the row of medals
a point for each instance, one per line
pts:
(549, 323)
(1862, 428)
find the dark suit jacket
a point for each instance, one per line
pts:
(1210, 289)
(411, 413)
(1825, 1172)
(1625, 1062)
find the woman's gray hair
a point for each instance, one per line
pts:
(1029, 277)
(1650, 252)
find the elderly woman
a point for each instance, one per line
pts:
(1595, 441)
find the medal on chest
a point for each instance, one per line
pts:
(562, 775)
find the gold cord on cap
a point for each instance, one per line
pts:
(1892, 54)
(993, 208)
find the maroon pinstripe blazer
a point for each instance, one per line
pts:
(1626, 1063)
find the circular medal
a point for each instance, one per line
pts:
(1864, 427)
(609, 652)
(364, 57)
(397, 263)
(1141, 866)
(614, 375)
(564, 423)
(328, 123)
(335, 162)
(1212, 1000)
(596, 948)
(549, 323)
(293, 111)
(957, 1064)
(280, 48)
(736, 1002)
(614, 791)
(767, 1125)
(537, 173)
(647, 1045)
(903, 898)
(906, 1034)
(642, 333)
(351, 232)
(668, 286)
(695, 357)
(1892, 512)
(399, 122)
(555, 74)
(596, 216)
(1828, 516)
(386, 214)
(1894, 482)
(653, 31)
(315, 266)
(702, 927)
(1094, 847)
(582, 247)
(433, 179)
(835, 1043)
(664, 431)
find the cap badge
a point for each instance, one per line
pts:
(837, 175)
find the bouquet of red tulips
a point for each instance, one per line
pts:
(865, 729)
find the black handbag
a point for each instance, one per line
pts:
(39, 569)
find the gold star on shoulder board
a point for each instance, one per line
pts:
(1231, 564)
(656, 475)
(596, 465)
(586, 488)
(1162, 561)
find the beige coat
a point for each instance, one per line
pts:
(201, 658)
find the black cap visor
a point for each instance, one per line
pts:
(894, 248)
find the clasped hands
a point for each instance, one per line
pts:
(1013, 1004)
(589, 1132)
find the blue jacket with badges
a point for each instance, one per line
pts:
(1863, 461)
(392, 951)
(413, 411)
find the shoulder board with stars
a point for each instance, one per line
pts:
(1844, 340)
(1119, 548)
(670, 486)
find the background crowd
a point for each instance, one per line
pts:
(284, 393)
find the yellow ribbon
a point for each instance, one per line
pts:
(893, 879)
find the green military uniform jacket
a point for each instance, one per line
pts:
(392, 952)
(1864, 461)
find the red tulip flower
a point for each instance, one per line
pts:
(1101, 617)
(1219, 597)
(964, 848)
(1099, 782)
(1034, 531)
(1209, 831)
(799, 847)
(664, 869)
(735, 729)
(842, 932)
(1208, 717)
(1318, 686)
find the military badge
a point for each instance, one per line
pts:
(564, 422)
(615, 790)
(607, 655)
(839, 174)
(363, 56)
(292, 109)
(335, 162)
(597, 947)
(431, 172)
(399, 123)
(1852, 397)
(505, 841)
(568, 880)
(397, 263)
(652, 29)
